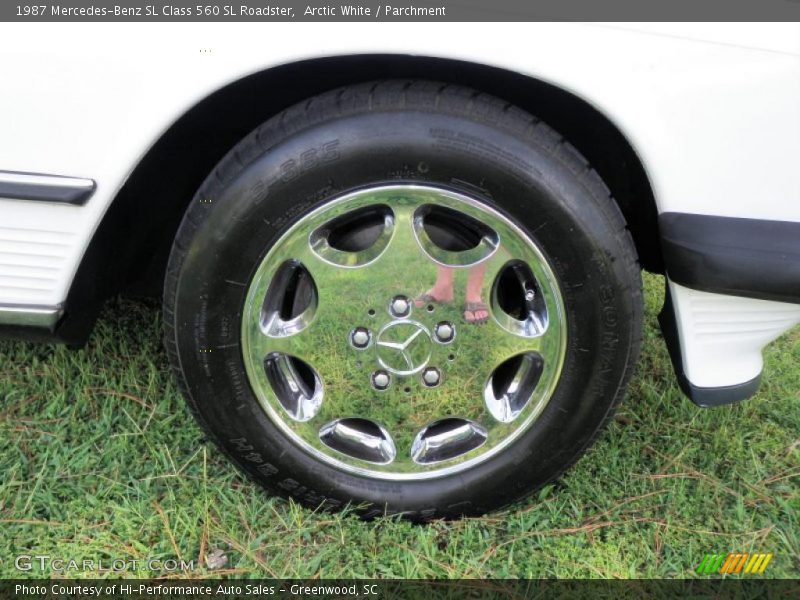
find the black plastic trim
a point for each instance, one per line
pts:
(59, 190)
(755, 258)
(703, 397)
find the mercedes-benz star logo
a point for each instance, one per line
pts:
(404, 347)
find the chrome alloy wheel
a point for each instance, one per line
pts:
(354, 357)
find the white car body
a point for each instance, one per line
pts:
(712, 111)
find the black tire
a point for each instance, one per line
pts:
(406, 131)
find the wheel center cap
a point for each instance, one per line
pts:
(404, 347)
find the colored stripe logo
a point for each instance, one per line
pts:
(734, 563)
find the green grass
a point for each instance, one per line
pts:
(100, 460)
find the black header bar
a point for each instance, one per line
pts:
(398, 10)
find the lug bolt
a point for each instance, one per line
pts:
(360, 337)
(400, 306)
(380, 380)
(431, 377)
(444, 332)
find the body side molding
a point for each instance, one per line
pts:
(45, 188)
(754, 258)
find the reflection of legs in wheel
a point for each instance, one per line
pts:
(442, 290)
(475, 310)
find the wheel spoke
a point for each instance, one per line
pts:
(308, 344)
(492, 266)
(504, 344)
(404, 242)
(327, 275)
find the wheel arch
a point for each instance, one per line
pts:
(130, 248)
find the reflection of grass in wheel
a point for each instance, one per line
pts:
(347, 385)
